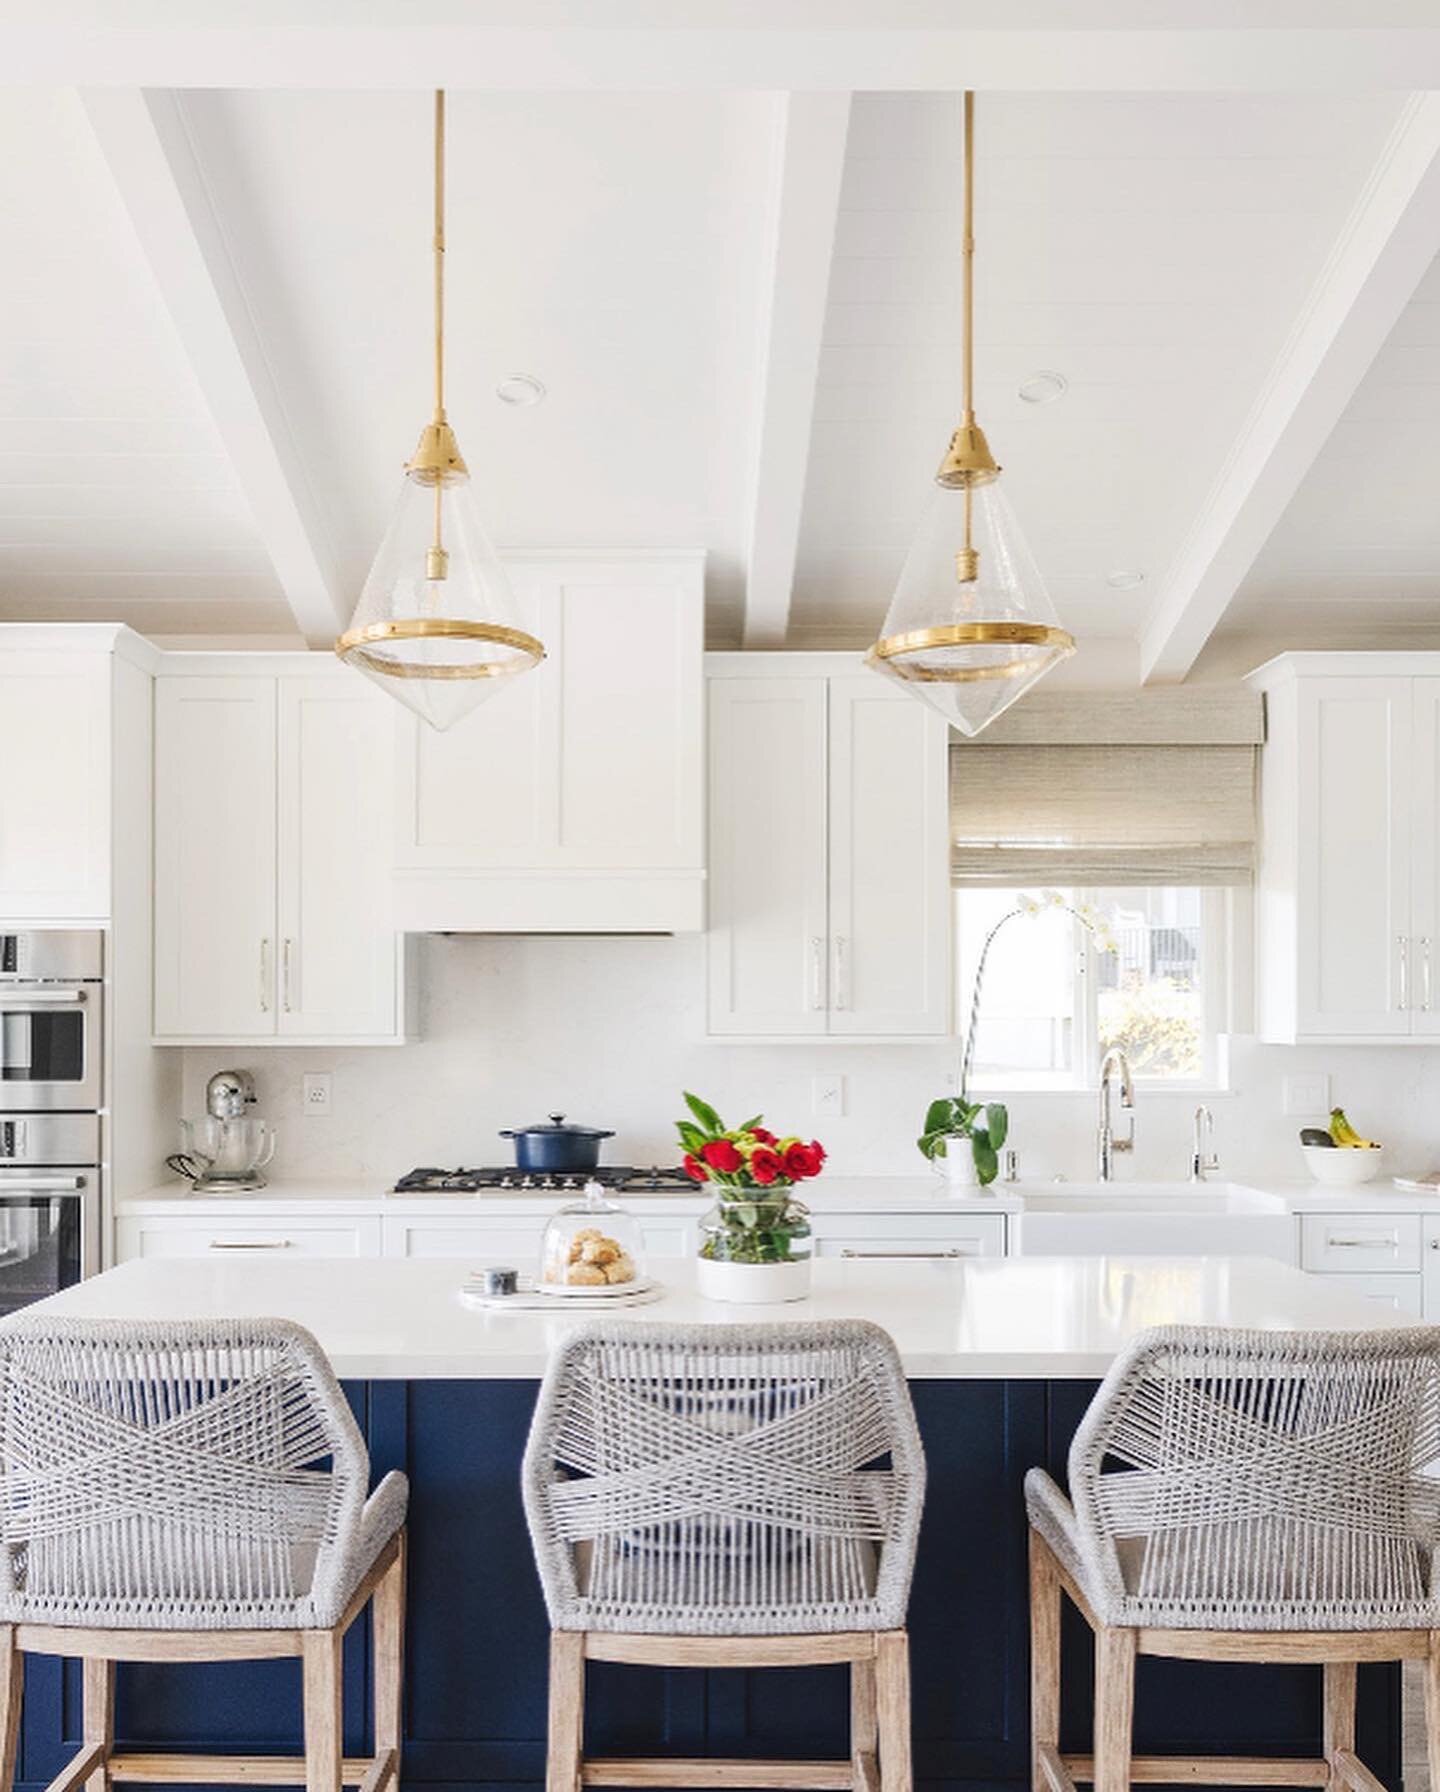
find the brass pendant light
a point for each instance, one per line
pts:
(971, 626)
(437, 624)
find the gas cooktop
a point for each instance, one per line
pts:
(622, 1178)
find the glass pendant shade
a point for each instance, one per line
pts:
(438, 626)
(970, 645)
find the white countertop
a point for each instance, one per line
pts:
(829, 1194)
(388, 1319)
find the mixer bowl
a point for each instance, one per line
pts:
(225, 1156)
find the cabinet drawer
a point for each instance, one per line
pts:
(1351, 1242)
(515, 1243)
(281, 1237)
(898, 1235)
(1398, 1294)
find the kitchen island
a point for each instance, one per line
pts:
(1002, 1355)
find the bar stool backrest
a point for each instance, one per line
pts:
(183, 1475)
(1238, 1480)
(725, 1480)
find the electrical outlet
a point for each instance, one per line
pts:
(1307, 1097)
(827, 1096)
(315, 1092)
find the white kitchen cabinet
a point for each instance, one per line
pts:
(572, 800)
(272, 812)
(275, 1238)
(55, 793)
(1348, 898)
(906, 1236)
(515, 1240)
(829, 858)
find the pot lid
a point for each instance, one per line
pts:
(557, 1123)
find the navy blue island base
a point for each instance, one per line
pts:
(477, 1641)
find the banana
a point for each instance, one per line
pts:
(1345, 1134)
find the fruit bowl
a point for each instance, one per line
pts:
(1343, 1166)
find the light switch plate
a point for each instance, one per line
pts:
(315, 1092)
(1307, 1097)
(827, 1096)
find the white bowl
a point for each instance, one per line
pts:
(1342, 1166)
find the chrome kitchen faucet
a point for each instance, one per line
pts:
(1113, 1062)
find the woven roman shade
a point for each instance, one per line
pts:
(1119, 813)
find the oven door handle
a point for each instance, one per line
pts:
(42, 998)
(38, 1184)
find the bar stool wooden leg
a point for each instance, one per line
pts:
(98, 1686)
(567, 1711)
(320, 1659)
(1114, 1707)
(892, 1709)
(864, 1727)
(12, 1686)
(1339, 1718)
(388, 1630)
(1432, 1707)
(1044, 1657)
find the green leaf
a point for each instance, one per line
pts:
(987, 1164)
(691, 1137)
(704, 1113)
(746, 1212)
(997, 1123)
(940, 1114)
(932, 1144)
(750, 1124)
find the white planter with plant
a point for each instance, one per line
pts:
(964, 1138)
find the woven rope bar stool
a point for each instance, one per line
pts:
(1250, 1497)
(192, 1492)
(728, 1496)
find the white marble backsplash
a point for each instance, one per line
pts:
(609, 1029)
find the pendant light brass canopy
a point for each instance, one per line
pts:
(437, 624)
(971, 626)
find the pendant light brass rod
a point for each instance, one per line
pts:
(439, 247)
(967, 261)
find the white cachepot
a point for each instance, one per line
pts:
(752, 1284)
(958, 1164)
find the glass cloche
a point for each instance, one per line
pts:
(590, 1244)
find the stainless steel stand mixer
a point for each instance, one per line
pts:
(225, 1152)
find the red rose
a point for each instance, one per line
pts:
(818, 1149)
(765, 1165)
(721, 1155)
(763, 1133)
(802, 1161)
(695, 1169)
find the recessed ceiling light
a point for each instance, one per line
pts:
(1043, 387)
(520, 389)
(1124, 581)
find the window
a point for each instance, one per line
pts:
(1054, 1000)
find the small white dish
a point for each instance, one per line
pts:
(1343, 1166)
(594, 1291)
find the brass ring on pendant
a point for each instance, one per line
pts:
(892, 648)
(353, 643)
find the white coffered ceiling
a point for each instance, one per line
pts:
(742, 302)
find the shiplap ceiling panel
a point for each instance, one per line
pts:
(1359, 546)
(1155, 250)
(115, 497)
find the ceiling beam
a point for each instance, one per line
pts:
(774, 45)
(1388, 243)
(809, 162)
(146, 144)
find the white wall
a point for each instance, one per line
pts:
(609, 1030)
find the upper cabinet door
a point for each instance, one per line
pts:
(767, 944)
(1357, 975)
(216, 940)
(889, 861)
(337, 949)
(1425, 849)
(54, 796)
